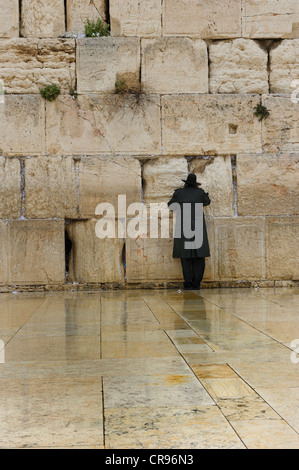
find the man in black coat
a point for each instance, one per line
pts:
(190, 198)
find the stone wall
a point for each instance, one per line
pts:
(194, 71)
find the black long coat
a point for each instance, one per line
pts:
(190, 194)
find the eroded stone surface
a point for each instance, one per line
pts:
(101, 61)
(103, 179)
(240, 248)
(161, 177)
(10, 188)
(238, 66)
(92, 259)
(22, 125)
(202, 19)
(160, 71)
(210, 124)
(215, 176)
(268, 184)
(132, 18)
(270, 19)
(282, 237)
(95, 124)
(281, 127)
(79, 11)
(51, 187)
(42, 19)
(26, 65)
(36, 252)
(9, 19)
(284, 63)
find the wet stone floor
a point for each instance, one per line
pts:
(153, 369)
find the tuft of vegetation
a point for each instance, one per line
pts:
(261, 112)
(50, 92)
(96, 29)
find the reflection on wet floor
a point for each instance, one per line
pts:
(150, 369)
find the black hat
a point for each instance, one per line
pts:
(191, 180)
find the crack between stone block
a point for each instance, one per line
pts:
(234, 179)
(23, 194)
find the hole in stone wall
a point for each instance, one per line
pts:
(232, 128)
(68, 249)
(124, 259)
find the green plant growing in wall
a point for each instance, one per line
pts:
(50, 92)
(261, 112)
(96, 29)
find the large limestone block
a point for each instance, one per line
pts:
(215, 176)
(9, 18)
(3, 253)
(284, 67)
(161, 177)
(282, 244)
(281, 127)
(268, 184)
(79, 11)
(202, 19)
(238, 66)
(240, 248)
(210, 124)
(10, 188)
(150, 259)
(36, 252)
(160, 71)
(105, 124)
(51, 187)
(270, 19)
(103, 179)
(102, 61)
(92, 259)
(22, 125)
(135, 18)
(26, 65)
(42, 19)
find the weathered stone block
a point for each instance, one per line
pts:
(22, 125)
(94, 260)
(215, 176)
(135, 18)
(240, 248)
(270, 19)
(10, 188)
(36, 252)
(202, 19)
(103, 179)
(281, 128)
(210, 124)
(150, 259)
(104, 124)
(238, 66)
(284, 67)
(42, 19)
(268, 184)
(79, 11)
(51, 188)
(26, 65)
(282, 247)
(9, 19)
(161, 177)
(160, 71)
(102, 61)
(3, 253)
